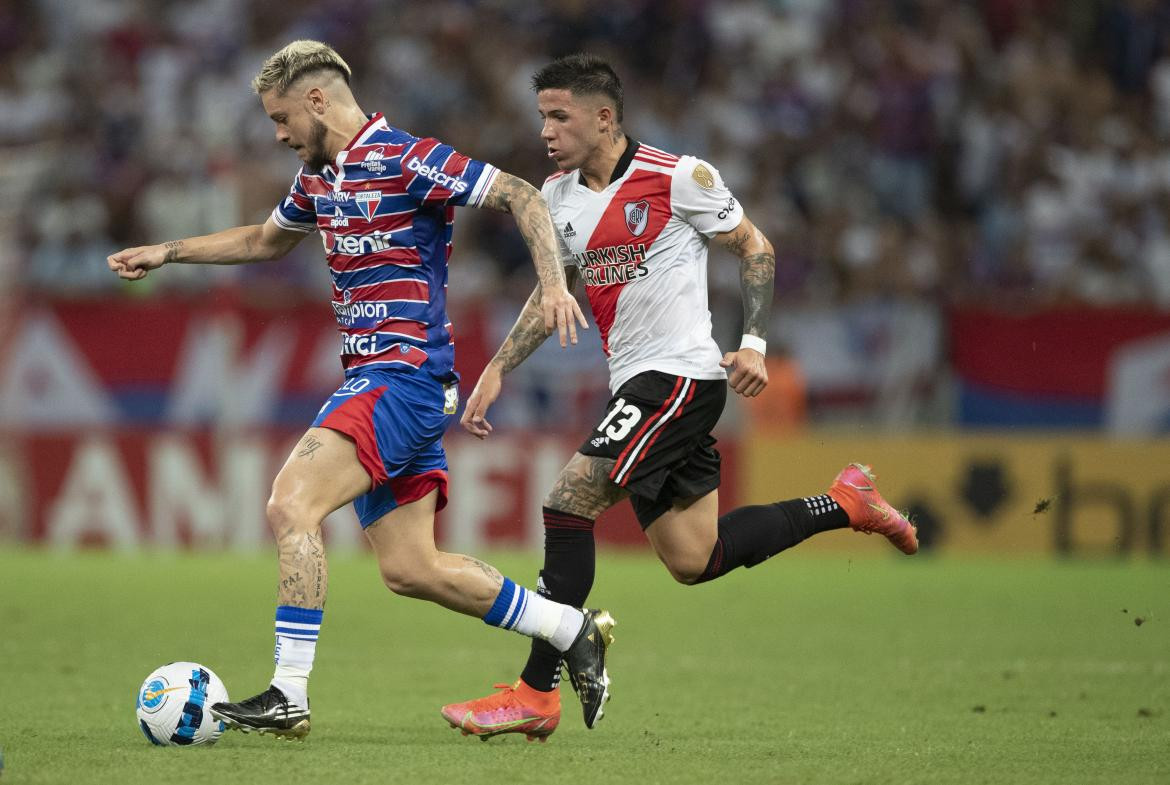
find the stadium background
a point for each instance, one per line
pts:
(970, 203)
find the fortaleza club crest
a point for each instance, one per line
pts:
(637, 214)
(367, 202)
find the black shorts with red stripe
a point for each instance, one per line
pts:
(657, 429)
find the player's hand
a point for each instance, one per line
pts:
(561, 313)
(132, 264)
(487, 389)
(746, 375)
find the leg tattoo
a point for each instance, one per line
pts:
(584, 488)
(304, 575)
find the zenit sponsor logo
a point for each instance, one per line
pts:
(367, 314)
(355, 244)
(437, 176)
(612, 264)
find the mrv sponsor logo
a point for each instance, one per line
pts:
(437, 176)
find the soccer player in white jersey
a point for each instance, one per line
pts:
(634, 223)
(383, 201)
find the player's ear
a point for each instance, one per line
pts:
(316, 99)
(605, 116)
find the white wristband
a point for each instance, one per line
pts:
(754, 342)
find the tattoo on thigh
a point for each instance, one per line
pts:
(488, 570)
(585, 489)
(308, 446)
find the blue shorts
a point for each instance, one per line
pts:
(397, 420)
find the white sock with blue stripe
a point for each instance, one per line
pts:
(526, 612)
(296, 644)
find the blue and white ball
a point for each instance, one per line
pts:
(174, 705)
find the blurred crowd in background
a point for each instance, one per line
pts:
(921, 152)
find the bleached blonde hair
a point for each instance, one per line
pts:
(294, 61)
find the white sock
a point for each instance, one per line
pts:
(530, 614)
(296, 645)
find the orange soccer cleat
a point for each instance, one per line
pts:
(516, 708)
(868, 512)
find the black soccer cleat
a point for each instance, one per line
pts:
(268, 712)
(585, 663)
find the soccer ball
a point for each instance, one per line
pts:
(174, 702)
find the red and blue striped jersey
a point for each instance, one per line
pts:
(385, 210)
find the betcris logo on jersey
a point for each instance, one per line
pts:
(437, 176)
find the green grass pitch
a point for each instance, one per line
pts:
(808, 669)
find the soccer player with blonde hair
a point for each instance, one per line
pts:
(383, 202)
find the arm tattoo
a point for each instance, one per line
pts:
(512, 195)
(173, 249)
(584, 487)
(525, 337)
(756, 275)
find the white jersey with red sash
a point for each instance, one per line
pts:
(640, 245)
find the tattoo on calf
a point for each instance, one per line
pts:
(491, 572)
(302, 563)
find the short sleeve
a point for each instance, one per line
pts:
(436, 174)
(700, 198)
(296, 212)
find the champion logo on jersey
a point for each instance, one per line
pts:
(637, 216)
(367, 202)
(569, 231)
(373, 162)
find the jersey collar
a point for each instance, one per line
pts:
(376, 122)
(622, 164)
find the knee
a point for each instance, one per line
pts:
(285, 512)
(407, 579)
(687, 569)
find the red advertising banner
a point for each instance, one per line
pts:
(153, 488)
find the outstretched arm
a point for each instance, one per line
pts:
(525, 337)
(560, 311)
(239, 245)
(757, 270)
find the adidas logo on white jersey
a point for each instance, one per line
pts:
(569, 231)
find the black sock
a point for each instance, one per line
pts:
(567, 577)
(750, 535)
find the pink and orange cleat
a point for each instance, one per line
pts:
(868, 512)
(516, 708)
